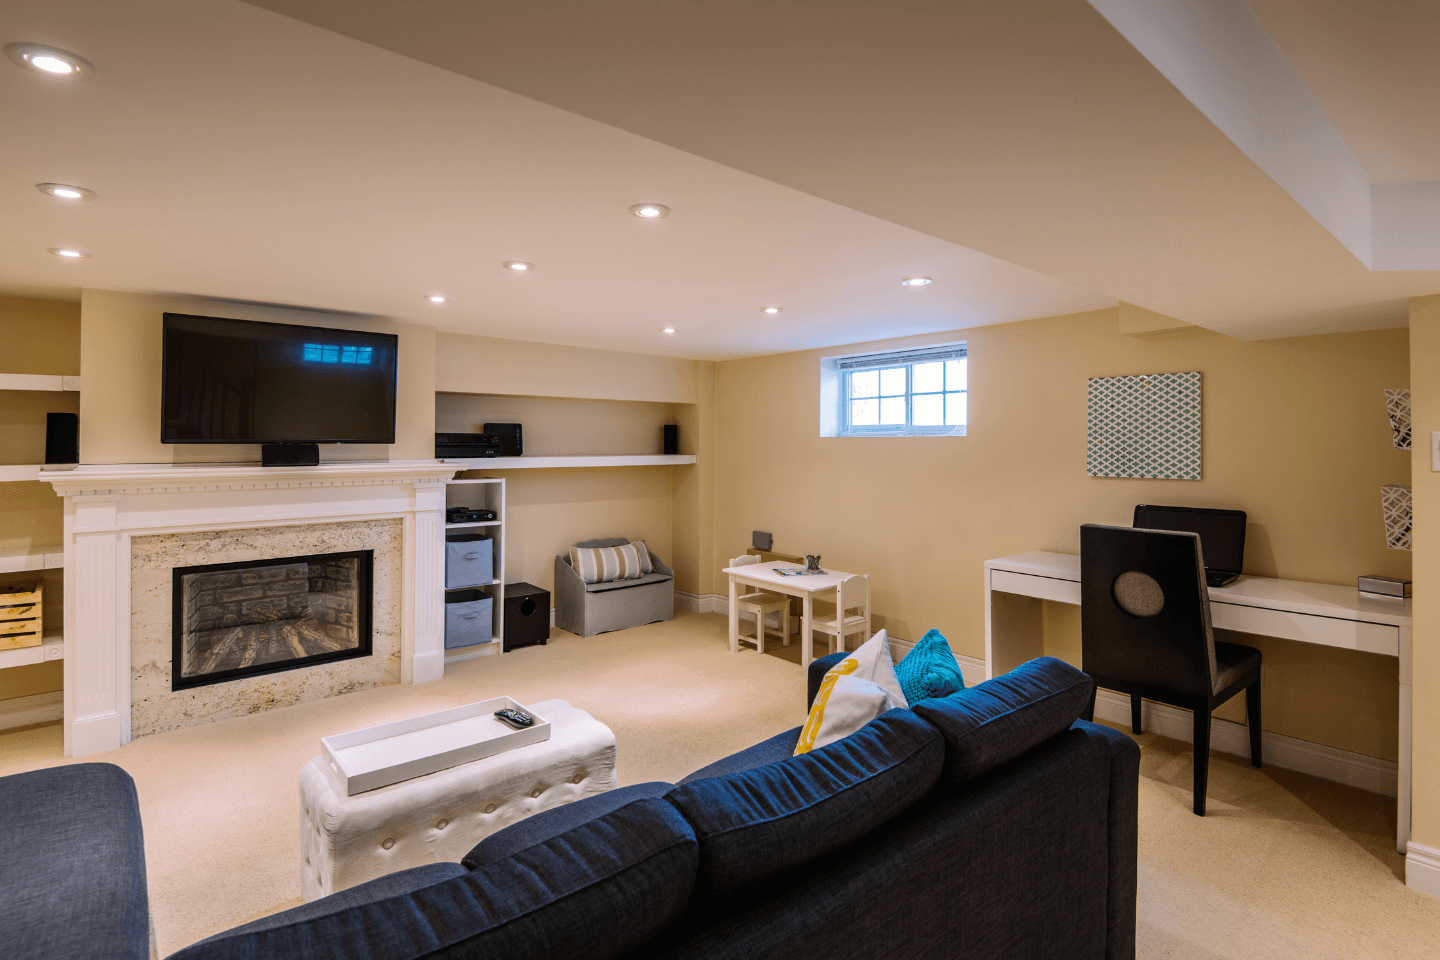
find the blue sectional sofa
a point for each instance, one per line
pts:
(991, 823)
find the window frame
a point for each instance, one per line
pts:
(844, 368)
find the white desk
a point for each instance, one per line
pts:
(1322, 613)
(763, 575)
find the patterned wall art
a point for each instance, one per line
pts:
(1145, 427)
(1395, 501)
(1397, 404)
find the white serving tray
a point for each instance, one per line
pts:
(379, 756)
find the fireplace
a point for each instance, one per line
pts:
(233, 620)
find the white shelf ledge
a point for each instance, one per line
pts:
(34, 558)
(19, 472)
(51, 648)
(31, 381)
(476, 523)
(555, 463)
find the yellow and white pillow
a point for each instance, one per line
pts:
(855, 691)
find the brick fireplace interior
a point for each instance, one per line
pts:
(234, 620)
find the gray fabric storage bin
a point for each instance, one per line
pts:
(468, 618)
(469, 559)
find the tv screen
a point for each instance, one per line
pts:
(242, 381)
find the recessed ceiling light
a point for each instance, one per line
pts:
(519, 266)
(771, 309)
(65, 191)
(436, 298)
(915, 281)
(50, 61)
(650, 211)
(69, 253)
(668, 330)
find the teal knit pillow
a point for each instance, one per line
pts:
(929, 670)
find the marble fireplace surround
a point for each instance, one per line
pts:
(108, 505)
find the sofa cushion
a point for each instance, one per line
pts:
(565, 897)
(555, 821)
(623, 584)
(373, 891)
(996, 721)
(73, 867)
(777, 748)
(760, 822)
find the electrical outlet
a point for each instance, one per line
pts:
(1435, 452)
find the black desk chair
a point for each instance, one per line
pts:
(1145, 630)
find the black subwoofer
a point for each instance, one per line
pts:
(527, 615)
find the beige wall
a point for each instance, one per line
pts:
(120, 364)
(469, 364)
(1425, 485)
(549, 511)
(1295, 433)
(40, 337)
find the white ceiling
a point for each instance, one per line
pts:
(1024, 154)
(241, 154)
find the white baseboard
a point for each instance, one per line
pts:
(1422, 868)
(39, 708)
(702, 602)
(1318, 760)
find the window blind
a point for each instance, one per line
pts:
(896, 358)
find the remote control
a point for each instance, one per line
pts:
(515, 718)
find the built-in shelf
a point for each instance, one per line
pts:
(34, 558)
(553, 463)
(477, 523)
(32, 381)
(475, 586)
(52, 648)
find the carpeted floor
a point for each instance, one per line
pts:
(1284, 865)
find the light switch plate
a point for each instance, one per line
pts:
(1435, 452)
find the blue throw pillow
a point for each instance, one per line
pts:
(929, 670)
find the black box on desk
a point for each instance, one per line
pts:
(527, 615)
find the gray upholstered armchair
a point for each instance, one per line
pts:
(590, 608)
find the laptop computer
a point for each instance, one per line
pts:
(1222, 536)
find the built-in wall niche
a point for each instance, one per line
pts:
(561, 426)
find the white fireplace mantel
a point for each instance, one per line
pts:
(107, 505)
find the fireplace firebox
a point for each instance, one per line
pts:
(233, 620)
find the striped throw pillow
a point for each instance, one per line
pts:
(645, 565)
(603, 564)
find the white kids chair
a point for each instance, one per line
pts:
(761, 603)
(852, 595)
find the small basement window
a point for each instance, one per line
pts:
(900, 393)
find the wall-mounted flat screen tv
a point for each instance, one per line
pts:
(243, 381)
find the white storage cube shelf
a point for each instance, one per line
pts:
(482, 494)
(391, 752)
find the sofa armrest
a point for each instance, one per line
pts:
(818, 668)
(1123, 830)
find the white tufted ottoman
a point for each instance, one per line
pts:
(345, 841)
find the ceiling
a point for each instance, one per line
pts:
(359, 155)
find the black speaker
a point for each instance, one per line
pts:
(62, 438)
(509, 434)
(290, 455)
(672, 439)
(527, 612)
